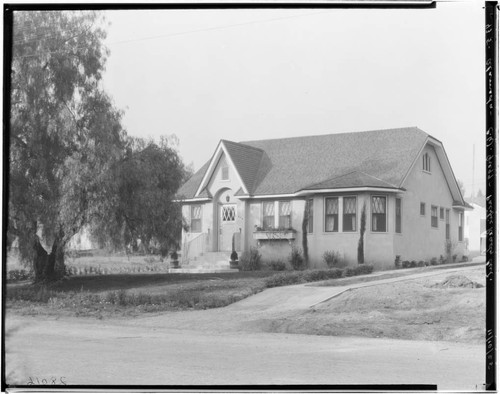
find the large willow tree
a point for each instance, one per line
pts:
(69, 156)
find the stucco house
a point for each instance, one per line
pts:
(257, 194)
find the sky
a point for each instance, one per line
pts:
(206, 75)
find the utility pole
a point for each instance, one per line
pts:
(473, 164)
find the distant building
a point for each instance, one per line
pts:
(475, 223)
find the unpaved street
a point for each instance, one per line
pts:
(226, 346)
(94, 352)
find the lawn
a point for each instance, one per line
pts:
(136, 293)
(133, 294)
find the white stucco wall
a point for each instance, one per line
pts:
(219, 189)
(418, 240)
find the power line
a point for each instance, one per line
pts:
(176, 34)
(216, 28)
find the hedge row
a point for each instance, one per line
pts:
(295, 277)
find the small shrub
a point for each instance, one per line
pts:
(406, 264)
(397, 261)
(465, 258)
(454, 258)
(284, 279)
(277, 265)
(427, 263)
(332, 258)
(250, 260)
(296, 260)
(174, 256)
(421, 263)
(441, 259)
(17, 275)
(361, 269)
(434, 261)
(234, 255)
(149, 259)
(413, 264)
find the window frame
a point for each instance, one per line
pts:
(400, 216)
(447, 224)
(234, 208)
(435, 219)
(422, 205)
(335, 216)
(197, 220)
(441, 213)
(385, 214)
(224, 170)
(264, 216)
(289, 216)
(350, 214)
(460, 226)
(426, 163)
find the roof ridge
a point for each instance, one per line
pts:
(330, 134)
(378, 179)
(243, 144)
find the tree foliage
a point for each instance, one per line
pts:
(142, 204)
(71, 163)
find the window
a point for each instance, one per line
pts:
(398, 215)
(441, 213)
(434, 216)
(460, 226)
(349, 214)
(332, 214)
(268, 219)
(196, 218)
(447, 224)
(426, 162)
(422, 208)
(379, 222)
(225, 172)
(310, 215)
(228, 213)
(285, 220)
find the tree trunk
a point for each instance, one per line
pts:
(305, 222)
(361, 244)
(49, 267)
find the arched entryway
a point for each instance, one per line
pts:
(225, 217)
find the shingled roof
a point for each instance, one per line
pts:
(378, 158)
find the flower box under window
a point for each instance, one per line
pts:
(274, 235)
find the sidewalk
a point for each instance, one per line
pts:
(305, 296)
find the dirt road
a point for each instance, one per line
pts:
(96, 353)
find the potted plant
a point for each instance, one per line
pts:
(233, 263)
(397, 261)
(175, 259)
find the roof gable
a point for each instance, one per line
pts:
(246, 160)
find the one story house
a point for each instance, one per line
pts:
(279, 193)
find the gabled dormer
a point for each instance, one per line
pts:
(234, 163)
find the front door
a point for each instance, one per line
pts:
(227, 226)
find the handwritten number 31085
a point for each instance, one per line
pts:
(52, 380)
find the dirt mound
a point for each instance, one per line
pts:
(457, 281)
